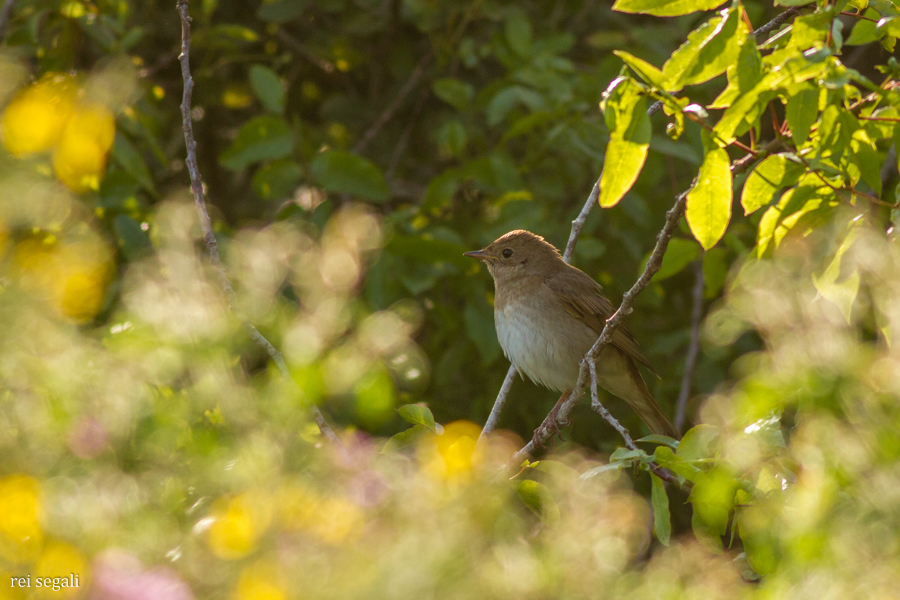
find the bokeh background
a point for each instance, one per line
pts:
(351, 151)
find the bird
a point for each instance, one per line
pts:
(548, 314)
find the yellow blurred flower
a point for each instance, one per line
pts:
(62, 570)
(36, 117)
(454, 457)
(79, 158)
(238, 523)
(260, 581)
(331, 519)
(72, 277)
(20, 516)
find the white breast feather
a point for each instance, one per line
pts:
(534, 350)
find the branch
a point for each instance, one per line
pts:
(775, 23)
(662, 473)
(209, 239)
(551, 427)
(693, 347)
(5, 12)
(385, 116)
(577, 225)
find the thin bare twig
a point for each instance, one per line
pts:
(303, 51)
(209, 239)
(5, 12)
(775, 23)
(502, 395)
(577, 225)
(598, 407)
(395, 104)
(693, 347)
(400, 148)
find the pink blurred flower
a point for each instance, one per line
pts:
(119, 576)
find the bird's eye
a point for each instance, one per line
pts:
(507, 253)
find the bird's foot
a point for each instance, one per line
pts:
(552, 424)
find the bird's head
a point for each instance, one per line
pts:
(517, 254)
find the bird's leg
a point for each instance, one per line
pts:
(551, 418)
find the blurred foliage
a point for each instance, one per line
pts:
(352, 151)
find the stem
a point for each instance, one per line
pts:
(209, 239)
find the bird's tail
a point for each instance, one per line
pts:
(646, 407)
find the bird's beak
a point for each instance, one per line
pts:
(477, 254)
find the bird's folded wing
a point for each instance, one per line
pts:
(582, 298)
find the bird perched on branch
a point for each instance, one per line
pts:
(548, 314)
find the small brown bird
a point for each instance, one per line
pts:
(548, 314)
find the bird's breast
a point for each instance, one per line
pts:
(542, 340)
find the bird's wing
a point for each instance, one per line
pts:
(582, 298)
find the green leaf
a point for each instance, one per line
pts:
(865, 32)
(621, 454)
(765, 183)
(810, 196)
(261, 138)
(629, 126)
(745, 110)
(560, 471)
(679, 254)
(865, 154)
(441, 190)
(662, 522)
(131, 239)
(713, 499)
(376, 397)
(268, 87)
(406, 439)
(345, 173)
(645, 70)
(506, 99)
(454, 92)
(802, 111)
(743, 76)
(660, 439)
(127, 157)
(810, 31)
(537, 497)
(664, 457)
(517, 31)
(695, 444)
(709, 51)
(276, 180)
(451, 138)
(709, 201)
(840, 293)
(665, 8)
(281, 11)
(715, 271)
(417, 414)
(607, 468)
(118, 191)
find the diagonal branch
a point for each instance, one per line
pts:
(209, 239)
(661, 472)
(395, 104)
(577, 225)
(550, 426)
